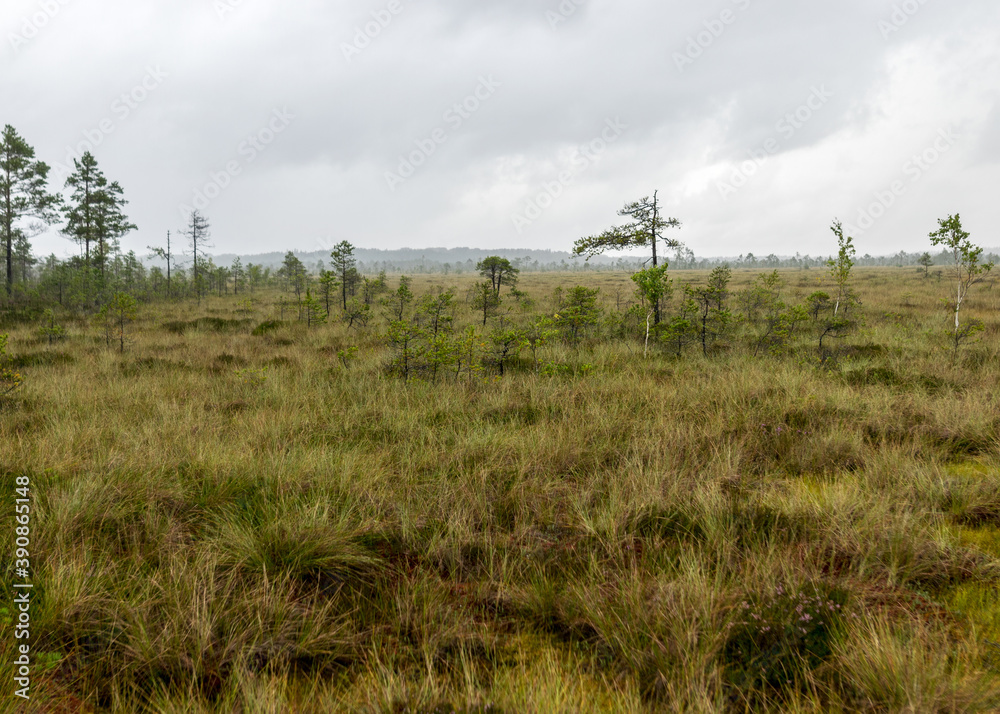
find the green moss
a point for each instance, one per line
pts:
(986, 539)
(980, 604)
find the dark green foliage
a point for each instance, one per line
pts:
(484, 300)
(227, 360)
(578, 312)
(328, 284)
(150, 364)
(445, 708)
(404, 338)
(398, 302)
(926, 261)
(499, 272)
(506, 340)
(655, 289)
(774, 639)
(293, 273)
(313, 309)
(755, 524)
(865, 351)
(668, 524)
(95, 219)
(115, 318)
(345, 269)
(646, 229)
(714, 317)
(49, 330)
(818, 304)
(23, 195)
(522, 415)
(40, 359)
(870, 376)
(372, 288)
(212, 324)
(681, 329)
(885, 376)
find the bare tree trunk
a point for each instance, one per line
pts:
(645, 354)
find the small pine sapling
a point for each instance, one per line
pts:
(507, 340)
(926, 261)
(714, 317)
(578, 312)
(313, 308)
(116, 316)
(49, 330)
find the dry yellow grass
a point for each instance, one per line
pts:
(230, 522)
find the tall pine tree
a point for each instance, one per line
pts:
(95, 216)
(345, 267)
(23, 195)
(197, 232)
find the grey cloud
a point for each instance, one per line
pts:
(354, 117)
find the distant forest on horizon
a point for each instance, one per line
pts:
(464, 260)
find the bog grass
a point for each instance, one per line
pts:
(230, 518)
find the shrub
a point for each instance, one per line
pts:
(774, 640)
(9, 379)
(267, 327)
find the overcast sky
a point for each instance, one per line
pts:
(518, 123)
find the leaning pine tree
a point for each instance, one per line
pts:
(645, 230)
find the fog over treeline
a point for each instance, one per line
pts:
(464, 260)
